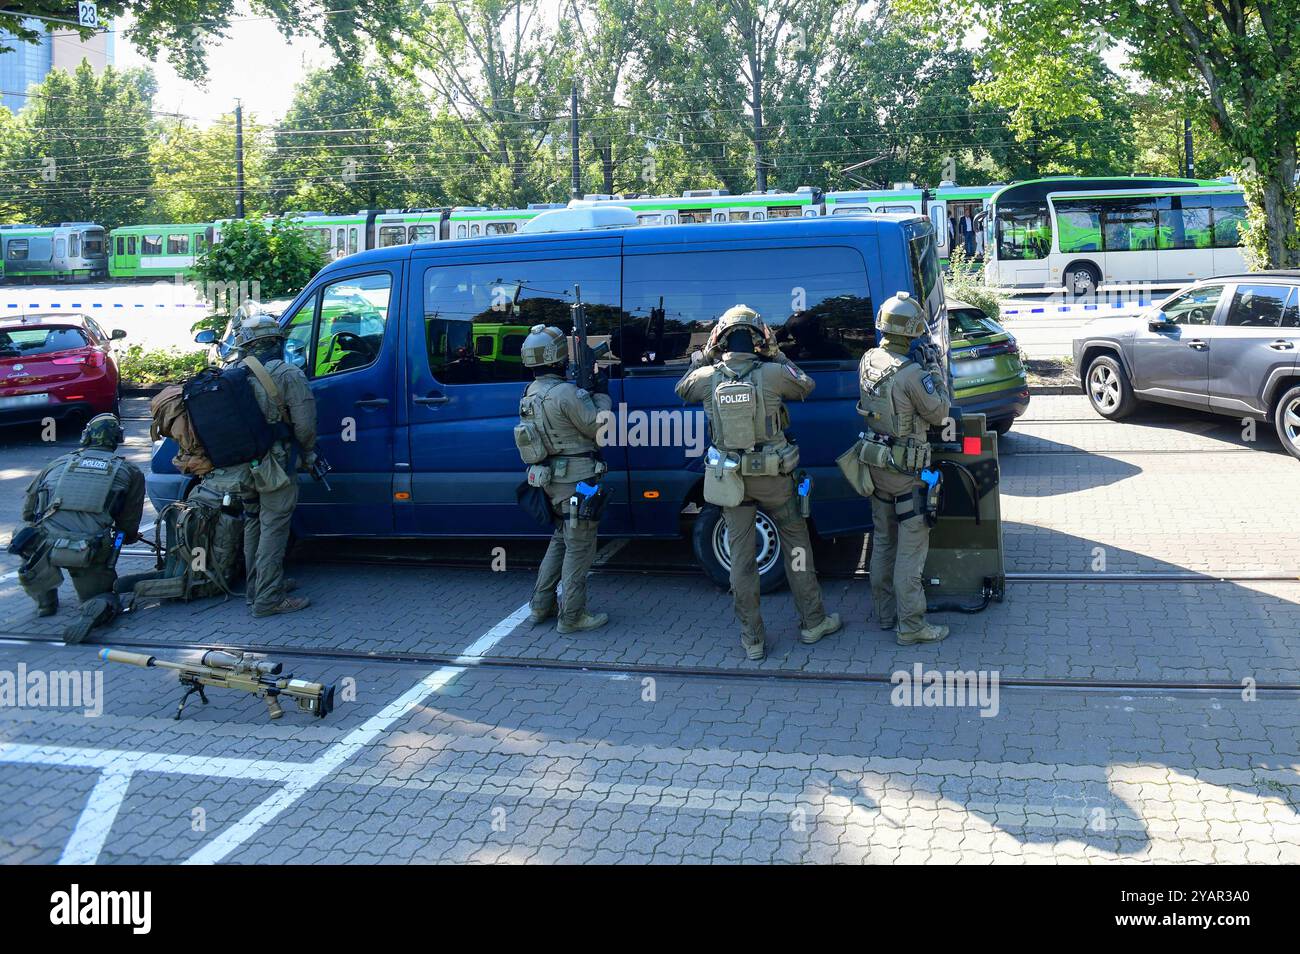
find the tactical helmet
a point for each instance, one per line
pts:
(545, 345)
(256, 327)
(740, 316)
(103, 430)
(901, 315)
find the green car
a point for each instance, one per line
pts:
(987, 374)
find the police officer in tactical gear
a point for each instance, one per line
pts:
(903, 393)
(743, 380)
(75, 510)
(556, 437)
(268, 487)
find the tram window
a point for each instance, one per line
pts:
(784, 212)
(391, 235)
(338, 242)
(200, 242)
(75, 244)
(60, 248)
(151, 244)
(92, 243)
(16, 250)
(352, 240)
(424, 233)
(130, 245)
(670, 218)
(719, 216)
(759, 216)
(121, 246)
(473, 230)
(653, 218)
(690, 218)
(500, 228)
(178, 245)
(835, 324)
(738, 215)
(460, 231)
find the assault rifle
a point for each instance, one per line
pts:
(243, 671)
(585, 356)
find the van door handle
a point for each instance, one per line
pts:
(437, 397)
(1198, 344)
(372, 402)
(1281, 344)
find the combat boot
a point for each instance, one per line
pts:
(831, 624)
(48, 604)
(538, 616)
(926, 634)
(290, 604)
(755, 647)
(96, 611)
(585, 622)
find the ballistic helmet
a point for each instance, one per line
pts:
(256, 327)
(103, 430)
(545, 345)
(901, 315)
(737, 317)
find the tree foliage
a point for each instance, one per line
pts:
(276, 262)
(194, 171)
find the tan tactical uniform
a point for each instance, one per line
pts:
(269, 487)
(919, 400)
(779, 381)
(570, 421)
(122, 507)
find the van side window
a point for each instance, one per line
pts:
(815, 299)
(477, 316)
(353, 315)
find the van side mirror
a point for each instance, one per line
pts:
(117, 334)
(205, 337)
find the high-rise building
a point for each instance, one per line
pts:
(28, 63)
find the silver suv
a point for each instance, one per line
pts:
(1227, 345)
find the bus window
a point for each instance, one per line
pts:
(1078, 225)
(391, 235)
(500, 228)
(835, 323)
(1023, 233)
(1185, 228)
(1128, 225)
(178, 245)
(151, 244)
(1229, 219)
(16, 250)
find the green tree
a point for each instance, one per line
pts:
(194, 171)
(79, 150)
(278, 261)
(1234, 62)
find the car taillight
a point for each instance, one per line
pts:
(79, 359)
(96, 359)
(93, 359)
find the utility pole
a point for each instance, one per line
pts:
(575, 168)
(760, 170)
(1187, 148)
(239, 159)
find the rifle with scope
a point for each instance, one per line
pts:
(243, 671)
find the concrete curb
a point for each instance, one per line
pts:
(1055, 389)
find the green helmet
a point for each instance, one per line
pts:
(257, 327)
(103, 430)
(739, 316)
(901, 315)
(545, 345)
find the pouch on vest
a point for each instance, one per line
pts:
(738, 411)
(530, 432)
(855, 470)
(223, 410)
(74, 553)
(873, 452)
(539, 475)
(723, 485)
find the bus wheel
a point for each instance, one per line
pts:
(1082, 280)
(713, 551)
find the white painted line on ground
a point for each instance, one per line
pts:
(97, 818)
(354, 742)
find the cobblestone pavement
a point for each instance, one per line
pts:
(638, 760)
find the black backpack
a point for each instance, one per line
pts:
(225, 415)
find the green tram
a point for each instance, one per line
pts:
(69, 252)
(156, 251)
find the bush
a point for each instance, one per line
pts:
(966, 282)
(278, 262)
(139, 367)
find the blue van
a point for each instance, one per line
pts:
(413, 356)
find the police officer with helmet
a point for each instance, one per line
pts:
(743, 380)
(80, 511)
(268, 488)
(903, 393)
(556, 437)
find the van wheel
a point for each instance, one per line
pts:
(1287, 420)
(1108, 389)
(709, 538)
(1003, 426)
(1082, 279)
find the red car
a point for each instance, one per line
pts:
(58, 366)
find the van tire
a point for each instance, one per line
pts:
(707, 537)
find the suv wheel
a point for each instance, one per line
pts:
(1108, 388)
(709, 539)
(1081, 280)
(1287, 420)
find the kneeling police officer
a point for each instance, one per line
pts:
(903, 393)
(556, 437)
(744, 380)
(80, 511)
